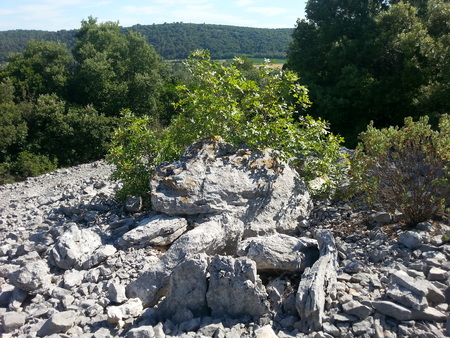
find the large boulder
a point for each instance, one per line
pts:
(159, 230)
(186, 297)
(75, 247)
(235, 289)
(34, 277)
(280, 252)
(214, 177)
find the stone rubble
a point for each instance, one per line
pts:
(233, 248)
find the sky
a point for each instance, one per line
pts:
(53, 15)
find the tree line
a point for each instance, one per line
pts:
(175, 40)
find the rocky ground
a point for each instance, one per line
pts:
(71, 259)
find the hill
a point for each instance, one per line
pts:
(176, 40)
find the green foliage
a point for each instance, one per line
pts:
(405, 168)
(29, 164)
(42, 68)
(13, 129)
(72, 135)
(115, 71)
(220, 101)
(373, 61)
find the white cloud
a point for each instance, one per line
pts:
(268, 11)
(244, 3)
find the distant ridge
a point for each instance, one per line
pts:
(176, 40)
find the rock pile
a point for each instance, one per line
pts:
(233, 248)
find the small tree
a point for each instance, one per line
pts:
(221, 101)
(405, 168)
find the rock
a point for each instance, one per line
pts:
(354, 307)
(99, 255)
(116, 314)
(406, 297)
(280, 252)
(318, 284)
(146, 331)
(73, 278)
(75, 247)
(265, 332)
(214, 177)
(186, 298)
(235, 289)
(429, 314)
(59, 322)
(33, 277)
(411, 239)
(12, 321)
(116, 293)
(382, 217)
(436, 274)
(216, 235)
(363, 327)
(133, 204)
(394, 310)
(401, 278)
(159, 230)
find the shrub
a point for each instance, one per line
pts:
(29, 164)
(220, 101)
(405, 168)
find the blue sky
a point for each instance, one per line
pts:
(54, 15)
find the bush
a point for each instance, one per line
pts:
(220, 101)
(405, 168)
(29, 164)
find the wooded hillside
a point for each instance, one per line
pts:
(176, 40)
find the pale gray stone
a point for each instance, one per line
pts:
(415, 285)
(318, 284)
(33, 277)
(99, 255)
(407, 297)
(354, 307)
(59, 322)
(145, 331)
(132, 308)
(73, 278)
(437, 274)
(75, 247)
(265, 332)
(116, 293)
(186, 295)
(280, 252)
(12, 321)
(214, 177)
(216, 235)
(411, 239)
(430, 314)
(235, 289)
(159, 230)
(364, 327)
(392, 309)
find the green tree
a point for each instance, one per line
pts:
(221, 101)
(115, 70)
(13, 128)
(69, 134)
(365, 60)
(42, 68)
